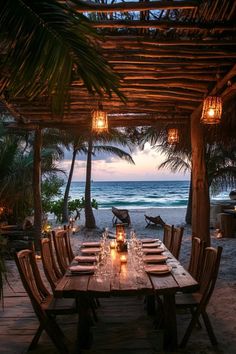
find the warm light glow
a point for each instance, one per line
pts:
(112, 245)
(123, 258)
(99, 121)
(173, 136)
(120, 233)
(212, 110)
(120, 237)
(113, 254)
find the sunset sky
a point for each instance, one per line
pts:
(110, 168)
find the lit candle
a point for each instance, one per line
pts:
(235, 207)
(112, 245)
(123, 258)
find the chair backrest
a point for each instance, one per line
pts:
(68, 243)
(177, 235)
(196, 258)
(50, 267)
(122, 215)
(209, 273)
(61, 248)
(167, 236)
(32, 281)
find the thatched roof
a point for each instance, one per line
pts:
(169, 55)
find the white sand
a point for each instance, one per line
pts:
(222, 307)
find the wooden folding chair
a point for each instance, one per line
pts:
(198, 301)
(155, 220)
(51, 270)
(196, 258)
(176, 240)
(167, 235)
(46, 307)
(122, 215)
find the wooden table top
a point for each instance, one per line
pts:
(124, 279)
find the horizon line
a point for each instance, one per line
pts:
(168, 180)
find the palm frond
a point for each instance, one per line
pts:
(114, 151)
(47, 44)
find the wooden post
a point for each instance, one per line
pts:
(37, 188)
(200, 192)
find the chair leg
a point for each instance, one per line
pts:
(198, 324)
(209, 328)
(54, 332)
(35, 340)
(192, 324)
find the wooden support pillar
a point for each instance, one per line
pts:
(37, 187)
(200, 192)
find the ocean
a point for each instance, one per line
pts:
(137, 194)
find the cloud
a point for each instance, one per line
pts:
(110, 168)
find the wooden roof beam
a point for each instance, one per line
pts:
(117, 41)
(160, 24)
(136, 6)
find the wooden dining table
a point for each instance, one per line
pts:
(125, 279)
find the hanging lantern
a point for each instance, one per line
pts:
(212, 110)
(173, 136)
(99, 121)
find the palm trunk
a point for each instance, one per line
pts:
(90, 222)
(65, 213)
(37, 188)
(188, 216)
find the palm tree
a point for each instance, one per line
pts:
(116, 137)
(78, 145)
(221, 169)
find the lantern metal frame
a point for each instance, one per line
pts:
(211, 110)
(99, 121)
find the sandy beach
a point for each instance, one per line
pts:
(222, 307)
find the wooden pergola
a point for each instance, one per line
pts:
(169, 56)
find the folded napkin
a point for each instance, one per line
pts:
(152, 245)
(148, 240)
(156, 258)
(85, 259)
(158, 269)
(82, 269)
(156, 250)
(90, 250)
(91, 244)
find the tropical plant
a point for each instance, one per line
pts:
(51, 189)
(74, 207)
(16, 161)
(47, 45)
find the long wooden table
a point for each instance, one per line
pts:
(124, 280)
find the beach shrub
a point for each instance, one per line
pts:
(75, 207)
(51, 189)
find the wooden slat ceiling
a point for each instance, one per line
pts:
(169, 55)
